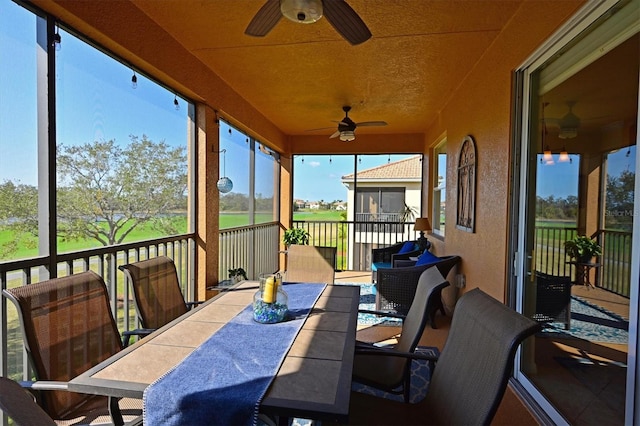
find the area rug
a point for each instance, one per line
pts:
(593, 323)
(368, 302)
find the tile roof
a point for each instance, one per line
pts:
(409, 168)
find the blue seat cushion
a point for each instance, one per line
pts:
(427, 258)
(379, 265)
(407, 247)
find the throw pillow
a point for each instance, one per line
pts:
(427, 258)
(407, 247)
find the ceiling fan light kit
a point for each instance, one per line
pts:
(301, 11)
(347, 135)
(338, 13)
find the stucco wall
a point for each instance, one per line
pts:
(481, 107)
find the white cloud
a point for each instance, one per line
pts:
(314, 163)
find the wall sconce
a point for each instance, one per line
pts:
(422, 224)
(224, 183)
(564, 156)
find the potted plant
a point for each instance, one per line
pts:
(295, 236)
(237, 275)
(582, 248)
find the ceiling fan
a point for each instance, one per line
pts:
(347, 127)
(339, 14)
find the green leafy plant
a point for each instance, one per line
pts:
(295, 236)
(582, 247)
(239, 272)
(408, 214)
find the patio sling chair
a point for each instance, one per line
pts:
(470, 375)
(396, 286)
(20, 405)
(553, 299)
(310, 264)
(68, 328)
(393, 374)
(156, 291)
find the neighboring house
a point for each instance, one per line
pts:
(383, 194)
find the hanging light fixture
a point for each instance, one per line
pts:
(176, 103)
(134, 81)
(564, 156)
(224, 183)
(547, 157)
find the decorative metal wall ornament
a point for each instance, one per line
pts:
(467, 171)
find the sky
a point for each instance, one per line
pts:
(97, 102)
(318, 177)
(95, 98)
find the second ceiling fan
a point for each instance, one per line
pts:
(347, 127)
(339, 14)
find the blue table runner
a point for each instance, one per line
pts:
(223, 381)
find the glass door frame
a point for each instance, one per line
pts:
(520, 267)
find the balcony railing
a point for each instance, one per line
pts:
(253, 248)
(104, 261)
(354, 239)
(614, 273)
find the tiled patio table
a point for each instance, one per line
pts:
(313, 381)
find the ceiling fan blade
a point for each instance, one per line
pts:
(346, 21)
(335, 135)
(371, 123)
(320, 128)
(266, 18)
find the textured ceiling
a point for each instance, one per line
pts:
(299, 76)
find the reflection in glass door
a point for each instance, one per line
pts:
(580, 180)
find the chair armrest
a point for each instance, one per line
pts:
(382, 313)
(44, 385)
(126, 335)
(405, 256)
(404, 263)
(378, 351)
(191, 305)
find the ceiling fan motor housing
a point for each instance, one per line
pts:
(301, 11)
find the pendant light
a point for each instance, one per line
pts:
(224, 183)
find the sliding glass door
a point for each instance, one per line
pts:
(578, 183)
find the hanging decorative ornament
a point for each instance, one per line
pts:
(224, 183)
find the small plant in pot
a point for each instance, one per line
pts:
(295, 236)
(237, 275)
(582, 248)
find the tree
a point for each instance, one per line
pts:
(18, 213)
(620, 198)
(106, 191)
